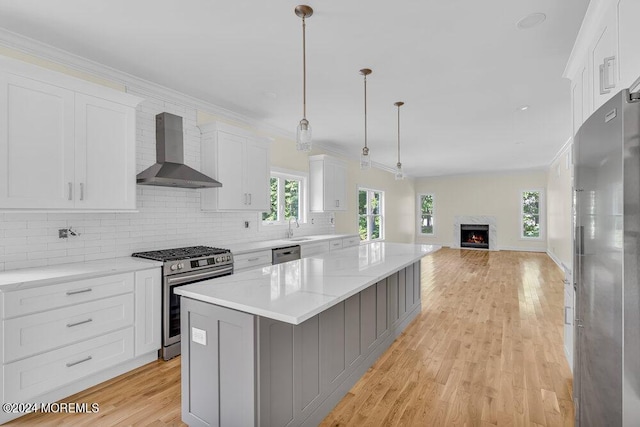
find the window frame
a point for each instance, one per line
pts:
(419, 214)
(369, 215)
(303, 199)
(541, 214)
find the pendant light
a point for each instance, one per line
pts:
(303, 134)
(365, 158)
(399, 174)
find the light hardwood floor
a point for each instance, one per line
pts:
(486, 350)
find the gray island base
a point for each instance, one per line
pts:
(244, 369)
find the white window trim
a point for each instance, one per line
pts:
(541, 213)
(304, 194)
(381, 214)
(419, 215)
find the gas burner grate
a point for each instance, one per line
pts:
(180, 253)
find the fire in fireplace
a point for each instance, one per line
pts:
(474, 236)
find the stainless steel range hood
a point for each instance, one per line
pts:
(170, 170)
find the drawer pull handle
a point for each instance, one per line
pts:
(86, 359)
(82, 322)
(253, 259)
(79, 291)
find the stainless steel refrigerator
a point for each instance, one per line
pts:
(607, 247)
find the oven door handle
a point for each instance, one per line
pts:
(192, 277)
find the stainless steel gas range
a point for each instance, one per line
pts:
(183, 266)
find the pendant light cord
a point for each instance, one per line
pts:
(304, 70)
(398, 134)
(365, 111)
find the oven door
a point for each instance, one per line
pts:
(171, 301)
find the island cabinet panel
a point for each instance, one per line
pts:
(392, 298)
(307, 364)
(402, 301)
(381, 308)
(352, 330)
(417, 292)
(218, 379)
(332, 344)
(367, 318)
(408, 284)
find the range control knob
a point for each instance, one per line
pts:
(228, 257)
(174, 267)
(180, 266)
(218, 259)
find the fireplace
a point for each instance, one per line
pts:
(474, 236)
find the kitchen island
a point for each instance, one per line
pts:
(280, 346)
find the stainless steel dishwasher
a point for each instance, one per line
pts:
(289, 253)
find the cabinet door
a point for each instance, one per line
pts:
(329, 180)
(231, 196)
(36, 144)
(148, 309)
(629, 37)
(257, 176)
(340, 187)
(605, 62)
(105, 154)
(576, 103)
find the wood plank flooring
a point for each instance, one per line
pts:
(485, 351)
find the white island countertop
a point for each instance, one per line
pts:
(298, 290)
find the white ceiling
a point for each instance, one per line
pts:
(461, 67)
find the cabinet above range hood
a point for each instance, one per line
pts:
(170, 170)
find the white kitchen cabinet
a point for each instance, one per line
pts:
(65, 143)
(250, 260)
(327, 184)
(604, 61)
(241, 162)
(58, 339)
(335, 245)
(148, 311)
(348, 242)
(316, 248)
(628, 13)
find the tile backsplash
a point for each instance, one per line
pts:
(166, 217)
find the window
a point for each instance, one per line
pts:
(425, 216)
(287, 198)
(370, 214)
(530, 203)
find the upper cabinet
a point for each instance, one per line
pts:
(327, 184)
(65, 143)
(605, 58)
(240, 161)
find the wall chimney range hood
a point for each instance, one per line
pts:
(170, 170)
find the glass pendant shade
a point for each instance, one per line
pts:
(303, 136)
(399, 174)
(365, 159)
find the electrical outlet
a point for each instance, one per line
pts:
(199, 336)
(63, 233)
(246, 224)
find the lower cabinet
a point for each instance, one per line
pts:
(90, 330)
(242, 369)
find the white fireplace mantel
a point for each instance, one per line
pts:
(476, 219)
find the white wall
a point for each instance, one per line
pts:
(495, 195)
(559, 208)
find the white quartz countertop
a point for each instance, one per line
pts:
(298, 290)
(43, 276)
(242, 248)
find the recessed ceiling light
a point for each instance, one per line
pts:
(531, 21)
(523, 108)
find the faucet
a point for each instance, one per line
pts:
(290, 230)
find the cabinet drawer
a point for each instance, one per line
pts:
(25, 301)
(37, 333)
(36, 375)
(335, 244)
(311, 249)
(350, 241)
(252, 260)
